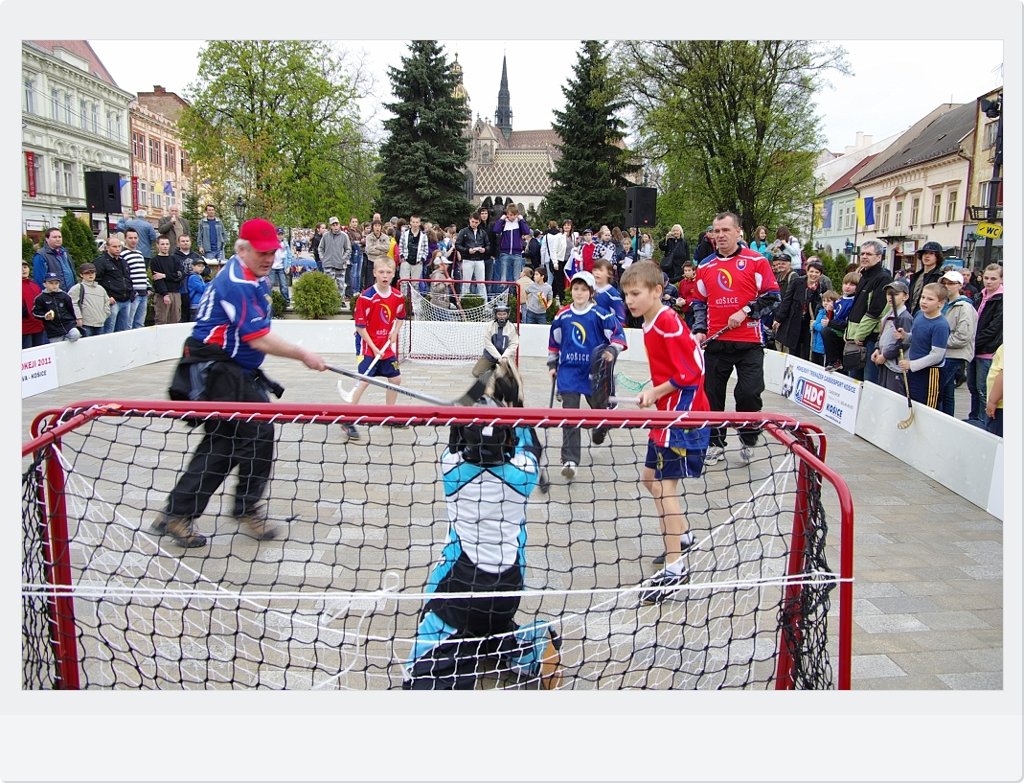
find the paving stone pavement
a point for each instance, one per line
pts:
(928, 564)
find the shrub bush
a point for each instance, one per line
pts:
(315, 296)
(277, 304)
(28, 248)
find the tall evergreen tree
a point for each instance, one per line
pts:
(589, 179)
(423, 161)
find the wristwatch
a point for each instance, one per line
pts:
(746, 309)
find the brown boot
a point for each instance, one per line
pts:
(182, 530)
(256, 520)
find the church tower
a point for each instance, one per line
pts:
(503, 116)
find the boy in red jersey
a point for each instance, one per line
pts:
(730, 285)
(380, 310)
(677, 380)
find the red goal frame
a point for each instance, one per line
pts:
(804, 440)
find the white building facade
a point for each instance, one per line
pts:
(74, 120)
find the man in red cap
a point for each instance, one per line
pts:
(221, 361)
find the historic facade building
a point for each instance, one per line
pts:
(74, 119)
(159, 164)
(506, 163)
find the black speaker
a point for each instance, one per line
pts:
(103, 191)
(641, 207)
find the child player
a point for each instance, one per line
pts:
(605, 294)
(380, 310)
(578, 332)
(928, 340)
(488, 475)
(677, 384)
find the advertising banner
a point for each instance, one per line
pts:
(38, 371)
(834, 397)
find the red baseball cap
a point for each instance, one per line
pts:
(261, 234)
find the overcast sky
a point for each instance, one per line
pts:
(924, 71)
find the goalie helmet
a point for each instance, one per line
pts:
(501, 309)
(483, 444)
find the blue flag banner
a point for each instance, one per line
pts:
(827, 223)
(168, 189)
(869, 211)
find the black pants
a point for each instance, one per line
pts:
(720, 358)
(833, 346)
(249, 446)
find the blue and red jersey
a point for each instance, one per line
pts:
(234, 311)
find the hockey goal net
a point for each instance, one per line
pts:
(335, 600)
(446, 321)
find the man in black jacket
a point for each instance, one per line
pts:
(930, 272)
(113, 274)
(868, 303)
(473, 243)
(184, 255)
(314, 245)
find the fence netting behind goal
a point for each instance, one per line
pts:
(444, 326)
(336, 600)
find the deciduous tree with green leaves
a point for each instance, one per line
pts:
(423, 159)
(277, 123)
(730, 125)
(589, 180)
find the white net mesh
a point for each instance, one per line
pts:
(440, 327)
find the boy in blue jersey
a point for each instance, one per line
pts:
(929, 337)
(488, 475)
(605, 294)
(578, 331)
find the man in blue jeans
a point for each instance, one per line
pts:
(355, 266)
(509, 231)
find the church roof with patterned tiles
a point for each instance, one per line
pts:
(536, 139)
(514, 175)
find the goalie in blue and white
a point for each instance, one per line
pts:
(488, 474)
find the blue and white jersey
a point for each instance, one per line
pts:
(234, 311)
(574, 336)
(611, 300)
(486, 511)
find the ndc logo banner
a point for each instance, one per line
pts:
(810, 395)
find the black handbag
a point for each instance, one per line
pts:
(854, 356)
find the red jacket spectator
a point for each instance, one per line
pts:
(29, 291)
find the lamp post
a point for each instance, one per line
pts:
(239, 208)
(994, 109)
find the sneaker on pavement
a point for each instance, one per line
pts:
(351, 431)
(685, 545)
(258, 524)
(663, 578)
(183, 531)
(569, 469)
(715, 455)
(746, 455)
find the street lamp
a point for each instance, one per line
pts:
(994, 111)
(239, 209)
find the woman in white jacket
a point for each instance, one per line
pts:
(553, 255)
(786, 241)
